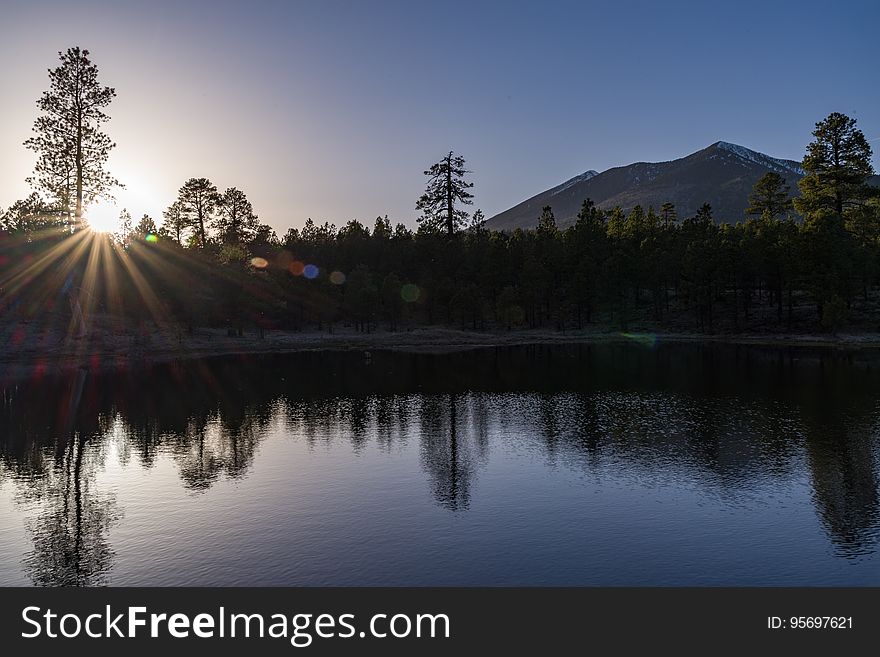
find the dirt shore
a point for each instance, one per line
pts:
(29, 350)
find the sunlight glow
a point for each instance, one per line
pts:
(103, 217)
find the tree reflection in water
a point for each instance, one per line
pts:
(725, 416)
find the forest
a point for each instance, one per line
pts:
(801, 260)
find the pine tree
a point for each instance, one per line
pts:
(174, 221)
(478, 223)
(198, 199)
(635, 227)
(235, 222)
(30, 216)
(770, 196)
(616, 223)
(124, 232)
(547, 223)
(146, 226)
(668, 214)
(837, 166)
(382, 228)
(71, 148)
(589, 214)
(703, 218)
(446, 187)
(652, 221)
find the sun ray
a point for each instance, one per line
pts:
(27, 272)
(152, 302)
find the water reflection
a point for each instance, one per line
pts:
(70, 546)
(842, 457)
(450, 450)
(49, 454)
(736, 421)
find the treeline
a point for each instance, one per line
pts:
(798, 262)
(609, 267)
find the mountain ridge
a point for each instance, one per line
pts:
(721, 174)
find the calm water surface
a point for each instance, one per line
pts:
(576, 465)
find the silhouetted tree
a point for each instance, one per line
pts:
(31, 216)
(547, 223)
(71, 148)
(235, 221)
(198, 199)
(146, 226)
(446, 187)
(668, 214)
(478, 222)
(175, 221)
(125, 228)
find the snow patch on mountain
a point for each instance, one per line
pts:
(772, 163)
(586, 175)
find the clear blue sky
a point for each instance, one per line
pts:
(332, 110)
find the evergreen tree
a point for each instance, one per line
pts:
(361, 298)
(703, 219)
(590, 214)
(146, 226)
(769, 197)
(478, 223)
(392, 302)
(446, 187)
(833, 192)
(652, 221)
(175, 221)
(547, 223)
(635, 225)
(198, 199)
(837, 166)
(616, 223)
(31, 216)
(668, 214)
(264, 236)
(235, 222)
(123, 232)
(382, 228)
(71, 148)
(587, 253)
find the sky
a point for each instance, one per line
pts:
(333, 110)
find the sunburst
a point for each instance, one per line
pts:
(103, 217)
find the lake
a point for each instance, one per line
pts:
(615, 464)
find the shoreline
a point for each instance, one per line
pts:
(104, 352)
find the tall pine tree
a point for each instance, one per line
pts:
(71, 148)
(837, 166)
(446, 188)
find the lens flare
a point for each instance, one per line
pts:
(410, 293)
(337, 278)
(259, 263)
(646, 339)
(310, 271)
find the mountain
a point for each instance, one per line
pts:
(722, 174)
